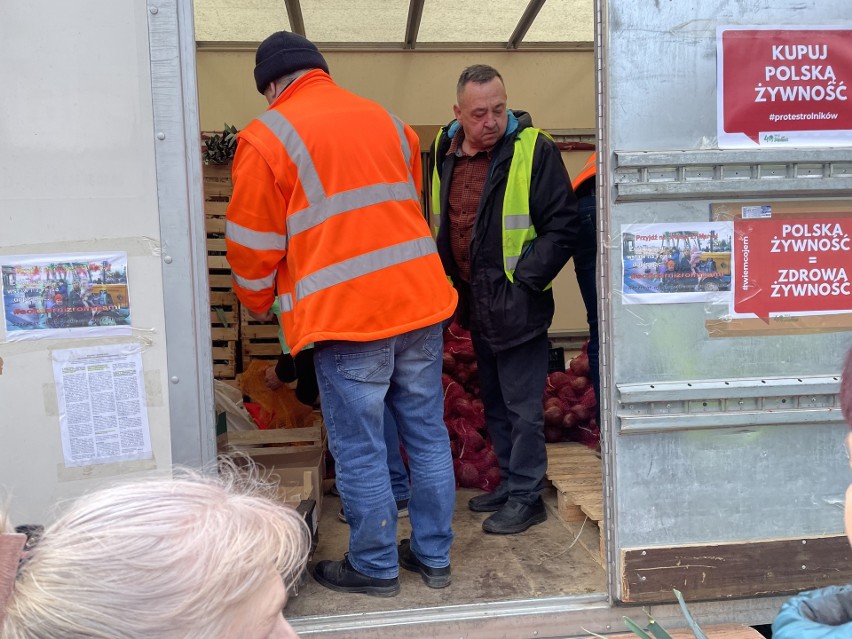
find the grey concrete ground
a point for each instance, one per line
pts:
(537, 563)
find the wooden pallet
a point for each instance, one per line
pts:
(577, 475)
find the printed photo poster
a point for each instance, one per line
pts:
(103, 410)
(788, 266)
(65, 296)
(780, 86)
(672, 263)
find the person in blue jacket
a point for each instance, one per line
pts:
(825, 613)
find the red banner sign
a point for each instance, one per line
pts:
(776, 82)
(792, 265)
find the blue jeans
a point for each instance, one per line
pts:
(400, 485)
(357, 380)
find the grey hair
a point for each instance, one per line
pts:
(171, 558)
(478, 73)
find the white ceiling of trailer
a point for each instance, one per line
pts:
(400, 24)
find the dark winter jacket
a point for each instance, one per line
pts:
(817, 614)
(503, 313)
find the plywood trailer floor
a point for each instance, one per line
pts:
(546, 560)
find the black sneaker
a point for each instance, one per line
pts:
(434, 577)
(515, 517)
(490, 502)
(342, 577)
(401, 510)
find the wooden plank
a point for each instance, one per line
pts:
(720, 631)
(222, 190)
(310, 434)
(568, 448)
(217, 261)
(220, 316)
(573, 484)
(215, 209)
(593, 510)
(224, 371)
(573, 456)
(214, 225)
(568, 510)
(573, 467)
(220, 281)
(737, 569)
(574, 473)
(254, 349)
(587, 496)
(226, 353)
(224, 334)
(216, 244)
(262, 331)
(213, 172)
(223, 298)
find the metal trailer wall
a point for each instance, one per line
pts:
(100, 154)
(707, 440)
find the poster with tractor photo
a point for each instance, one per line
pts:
(676, 262)
(65, 296)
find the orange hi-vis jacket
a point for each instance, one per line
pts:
(588, 171)
(326, 215)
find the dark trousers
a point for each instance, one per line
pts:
(585, 263)
(511, 387)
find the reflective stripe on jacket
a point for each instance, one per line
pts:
(518, 230)
(325, 213)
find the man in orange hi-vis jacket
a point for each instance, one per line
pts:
(325, 216)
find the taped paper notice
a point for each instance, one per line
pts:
(103, 416)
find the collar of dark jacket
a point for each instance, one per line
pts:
(516, 121)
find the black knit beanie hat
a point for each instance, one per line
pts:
(282, 53)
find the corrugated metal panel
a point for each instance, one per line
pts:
(381, 24)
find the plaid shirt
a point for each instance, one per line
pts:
(468, 180)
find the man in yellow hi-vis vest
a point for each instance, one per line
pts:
(505, 219)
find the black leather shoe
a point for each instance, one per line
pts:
(434, 577)
(515, 517)
(490, 502)
(342, 577)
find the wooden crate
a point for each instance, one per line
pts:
(217, 181)
(225, 333)
(258, 340)
(224, 307)
(284, 455)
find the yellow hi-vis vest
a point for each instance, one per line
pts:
(518, 230)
